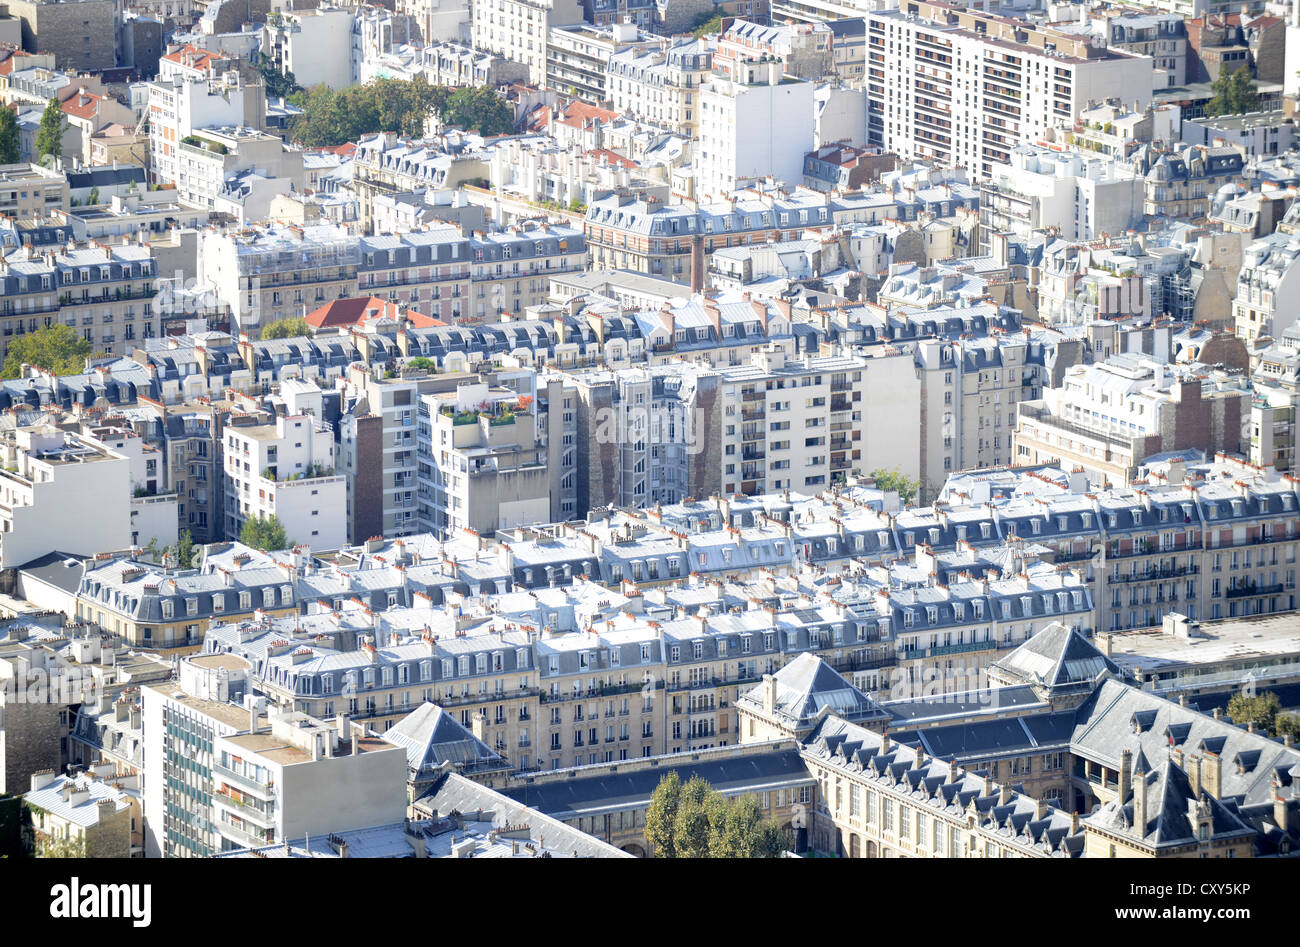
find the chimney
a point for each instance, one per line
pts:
(1004, 795)
(480, 727)
(1139, 805)
(1211, 774)
(1125, 774)
(769, 694)
(1194, 775)
(1281, 811)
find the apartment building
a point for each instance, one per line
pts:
(29, 190)
(1273, 422)
(753, 122)
(1180, 184)
(483, 278)
(491, 459)
(673, 241)
(275, 271)
(311, 44)
(1265, 303)
(286, 470)
(801, 50)
(159, 609)
(81, 34)
(1109, 417)
(182, 719)
(662, 86)
(519, 29)
(965, 87)
(387, 165)
(99, 815)
(807, 424)
(209, 157)
(183, 104)
(578, 55)
(1079, 197)
(299, 776)
(52, 493)
(104, 292)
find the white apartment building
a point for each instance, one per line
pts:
(805, 424)
(482, 466)
(438, 21)
(301, 776)
(179, 106)
(662, 86)
(520, 29)
(60, 491)
(1267, 302)
(273, 272)
(315, 45)
(753, 123)
(180, 720)
(286, 470)
(1038, 188)
(965, 88)
(155, 510)
(208, 157)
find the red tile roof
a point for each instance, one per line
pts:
(576, 114)
(360, 309)
(194, 57)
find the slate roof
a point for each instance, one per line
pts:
(808, 684)
(431, 737)
(593, 790)
(1056, 656)
(1170, 804)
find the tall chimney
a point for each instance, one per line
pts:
(1125, 774)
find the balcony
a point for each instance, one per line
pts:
(263, 790)
(1248, 589)
(1156, 575)
(941, 650)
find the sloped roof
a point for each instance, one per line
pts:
(1170, 806)
(807, 684)
(1056, 656)
(431, 737)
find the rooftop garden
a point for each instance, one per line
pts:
(206, 144)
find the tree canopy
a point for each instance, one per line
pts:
(9, 137)
(265, 533)
(1234, 94)
(334, 117)
(49, 135)
(1261, 710)
(56, 348)
(707, 23)
(906, 487)
(294, 327)
(696, 821)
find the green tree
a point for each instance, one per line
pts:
(49, 135)
(9, 137)
(1287, 723)
(1234, 94)
(661, 816)
(422, 364)
(55, 348)
(696, 821)
(1259, 710)
(707, 23)
(744, 832)
(700, 806)
(481, 110)
(183, 552)
(294, 327)
(906, 487)
(61, 848)
(266, 533)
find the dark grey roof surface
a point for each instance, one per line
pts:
(605, 790)
(52, 569)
